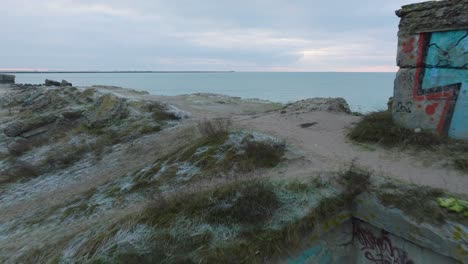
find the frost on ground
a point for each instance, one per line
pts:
(198, 161)
(109, 175)
(55, 149)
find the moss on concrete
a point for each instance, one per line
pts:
(418, 202)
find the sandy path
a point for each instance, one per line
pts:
(324, 145)
(327, 147)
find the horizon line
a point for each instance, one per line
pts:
(195, 71)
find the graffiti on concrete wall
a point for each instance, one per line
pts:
(316, 254)
(404, 107)
(441, 81)
(379, 249)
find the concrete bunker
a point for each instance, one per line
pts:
(373, 233)
(7, 78)
(431, 87)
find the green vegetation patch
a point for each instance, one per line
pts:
(454, 205)
(258, 245)
(251, 203)
(419, 202)
(221, 225)
(158, 111)
(211, 157)
(82, 209)
(245, 221)
(66, 155)
(89, 92)
(461, 164)
(262, 154)
(378, 127)
(232, 223)
(355, 180)
(245, 203)
(18, 170)
(107, 103)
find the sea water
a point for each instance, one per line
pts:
(364, 92)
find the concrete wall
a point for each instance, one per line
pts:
(335, 246)
(422, 242)
(431, 87)
(373, 233)
(374, 245)
(6, 78)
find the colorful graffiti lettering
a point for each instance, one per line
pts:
(441, 80)
(379, 250)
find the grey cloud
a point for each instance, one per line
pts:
(193, 35)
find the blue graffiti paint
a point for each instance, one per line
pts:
(326, 259)
(459, 125)
(448, 49)
(311, 252)
(446, 64)
(317, 254)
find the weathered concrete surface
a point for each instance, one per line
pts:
(431, 88)
(333, 246)
(433, 16)
(423, 242)
(337, 105)
(6, 78)
(375, 245)
(373, 233)
(51, 83)
(65, 83)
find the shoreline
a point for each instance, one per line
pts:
(66, 72)
(365, 92)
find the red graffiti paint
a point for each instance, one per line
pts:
(442, 96)
(419, 106)
(408, 46)
(431, 109)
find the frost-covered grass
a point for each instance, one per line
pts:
(208, 158)
(232, 222)
(223, 215)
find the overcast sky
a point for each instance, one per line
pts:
(240, 35)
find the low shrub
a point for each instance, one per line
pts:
(248, 203)
(355, 180)
(20, 147)
(242, 202)
(461, 164)
(263, 154)
(378, 127)
(19, 170)
(159, 112)
(66, 156)
(214, 128)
